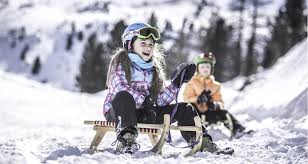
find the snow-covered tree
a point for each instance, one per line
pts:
(93, 70)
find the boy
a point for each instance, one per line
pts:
(204, 93)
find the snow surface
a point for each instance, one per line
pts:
(41, 123)
(44, 124)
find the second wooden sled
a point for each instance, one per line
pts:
(156, 132)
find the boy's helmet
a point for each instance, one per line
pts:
(141, 30)
(205, 58)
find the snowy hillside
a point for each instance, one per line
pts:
(273, 89)
(42, 124)
(32, 29)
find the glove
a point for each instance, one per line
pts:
(204, 97)
(213, 105)
(148, 114)
(147, 103)
(189, 73)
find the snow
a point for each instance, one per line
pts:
(44, 124)
(47, 24)
(287, 80)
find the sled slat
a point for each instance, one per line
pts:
(141, 130)
(149, 126)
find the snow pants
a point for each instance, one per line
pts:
(125, 114)
(213, 117)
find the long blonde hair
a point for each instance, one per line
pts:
(159, 72)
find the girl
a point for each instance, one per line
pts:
(137, 91)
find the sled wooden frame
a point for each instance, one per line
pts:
(152, 130)
(228, 121)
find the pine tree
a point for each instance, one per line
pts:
(218, 40)
(288, 29)
(36, 66)
(80, 35)
(69, 42)
(24, 52)
(251, 63)
(116, 34)
(165, 34)
(22, 34)
(153, 20)
(93, 69)
(70, 37)
(279, 42)
(297, 20)
(240, 6)
(200, 7)
(176, 54)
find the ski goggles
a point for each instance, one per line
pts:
(145, 33)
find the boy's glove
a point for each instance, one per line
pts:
(189, 73)
(213, 106)
(148, 112)
(204, 97)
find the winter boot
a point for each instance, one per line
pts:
(126, 140)
(209, 146)
(240, 132)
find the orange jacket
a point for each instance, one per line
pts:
(197, 85)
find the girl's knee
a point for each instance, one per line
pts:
(123, 95)
(110, 116)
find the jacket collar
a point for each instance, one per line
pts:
(207, 79)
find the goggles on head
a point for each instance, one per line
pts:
(144, 33)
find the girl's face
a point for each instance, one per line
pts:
(144, 48)
(204, 69)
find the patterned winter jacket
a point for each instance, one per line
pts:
(197, 85)
(139, 87)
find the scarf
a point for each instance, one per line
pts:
(137, 60)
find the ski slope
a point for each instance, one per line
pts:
(44, 124)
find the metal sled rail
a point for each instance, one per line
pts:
(152, 130)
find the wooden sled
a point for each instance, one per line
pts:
(227, 121)
(157, 133)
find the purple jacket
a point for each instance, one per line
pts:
(139, 87)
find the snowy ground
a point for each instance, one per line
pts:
(42, 124)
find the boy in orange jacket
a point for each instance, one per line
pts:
(204, 93)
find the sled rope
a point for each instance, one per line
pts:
(169, 140)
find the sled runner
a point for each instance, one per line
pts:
(156, 132)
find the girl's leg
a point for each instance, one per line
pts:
(185, 116)
(124, 107)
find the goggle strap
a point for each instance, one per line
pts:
(129, 45)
